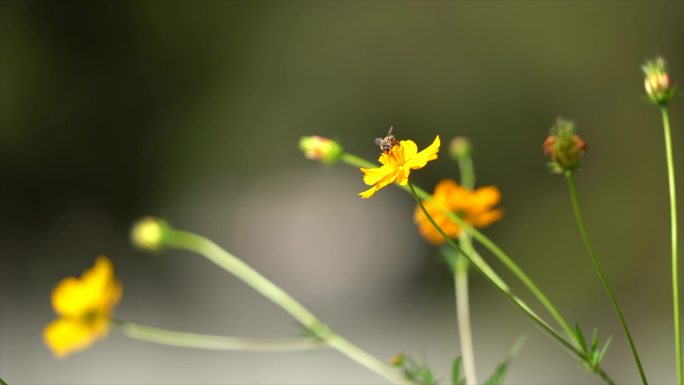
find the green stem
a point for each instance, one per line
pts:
(463, 316)
(505, 259)
(673, 235)
(203, 341)
(507, 292)
(602, 276)
(465, 164)
(203, 246)
(467, 171)
(487, 243)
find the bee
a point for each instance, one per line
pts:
(387, 142)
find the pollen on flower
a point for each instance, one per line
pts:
(475, 207)
(396, 165)
(84, 306)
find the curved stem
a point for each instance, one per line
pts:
(222, 258)
(487, 243)
(673, 235)
(601, 273)
(507, 261)
(203, 341)
(506, 291)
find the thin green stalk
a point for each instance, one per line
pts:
(507, 292)
(673, 235)
(203, 246)
(203, 341)
(602, 276)
(463, 316)
(487, 243)
(467, 171)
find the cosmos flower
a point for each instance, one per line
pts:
(474, 207)
(397, 164)
(84, 306)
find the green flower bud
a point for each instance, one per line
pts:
(459, 147)
(397, 360)
(657, 82)
(564, 147)
(321, 149)
(149, 233)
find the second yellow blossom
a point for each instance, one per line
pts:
(475, 207)
(84, 306)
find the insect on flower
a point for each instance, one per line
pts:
(387, 142)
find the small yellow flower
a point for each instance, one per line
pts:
(397, 164)
(474, 207)
(83, 305)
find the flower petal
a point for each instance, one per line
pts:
(374, 175)
(368, 193)
(64, 336)
(486, 218)
(410, 148)
(484, 198)
(97, 290)
(420, 159)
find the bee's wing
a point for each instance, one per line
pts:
(378, 141)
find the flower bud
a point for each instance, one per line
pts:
(149, 233)
(459, 147)
(657, 82)
(397, 360)
(321, 149)
(564, 147)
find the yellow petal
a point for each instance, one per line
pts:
(65, 336)
(374, 175)
(95, 291)
(420, 159)
(486, 218)
(485, 197)
(410, 148)
(368, 193)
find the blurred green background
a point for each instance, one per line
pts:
(192, 111)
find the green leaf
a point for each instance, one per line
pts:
(595, 341)
(500, 372)
(580, 338)
(456, 378)
(605, 348)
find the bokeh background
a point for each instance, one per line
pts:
(192, 111)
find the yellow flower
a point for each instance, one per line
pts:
(474, 207)
(397, 164)
(83, 305)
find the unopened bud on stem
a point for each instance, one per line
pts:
(564, 147)
(321, 149)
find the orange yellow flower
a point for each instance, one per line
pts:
(84, 306)
(397, 164)
(474, 207)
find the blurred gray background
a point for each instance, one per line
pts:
(192, 111)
